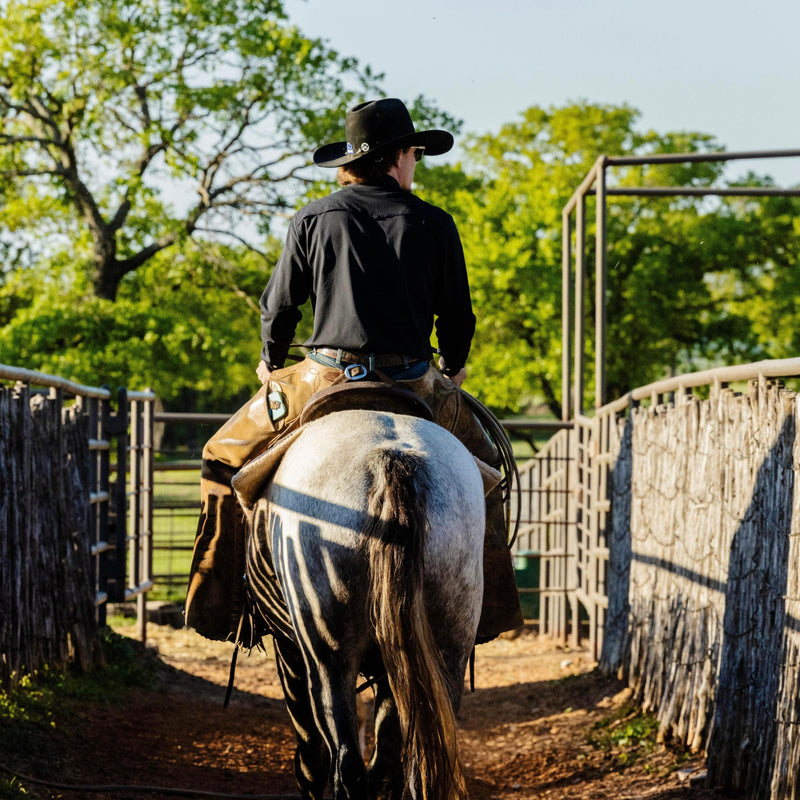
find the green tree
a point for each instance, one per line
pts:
(185, 324)
(136, 137)
(691, 281)
(683, 273)
(764, 287)
(145, 122)
(510, 223)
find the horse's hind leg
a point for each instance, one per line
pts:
(311, 758)
(321, 700)
(455, 662)
(386, 779)
(332, 689)
(385, 769)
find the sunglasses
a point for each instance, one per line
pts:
(418, 153)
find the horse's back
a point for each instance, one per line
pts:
(332, 463)
(320, 493)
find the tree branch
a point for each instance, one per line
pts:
(241, 239)
(124, 266)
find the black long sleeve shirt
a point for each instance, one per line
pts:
(381, 267)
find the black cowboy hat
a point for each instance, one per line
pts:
(377, 126)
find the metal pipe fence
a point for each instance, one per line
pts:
(176, 505)
(573, 242)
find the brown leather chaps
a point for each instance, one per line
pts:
(215, 597)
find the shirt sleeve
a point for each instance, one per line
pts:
(286, 290)
(455, 320)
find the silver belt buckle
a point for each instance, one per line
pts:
(355, 372)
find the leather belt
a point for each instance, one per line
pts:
(367, 359)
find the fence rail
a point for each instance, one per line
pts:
(63, 514)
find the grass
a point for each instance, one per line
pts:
(626, 735)
(38, 704)
(176, 504)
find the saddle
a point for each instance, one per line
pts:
(365, 395)
(250, 480)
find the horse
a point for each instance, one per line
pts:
(365, 558)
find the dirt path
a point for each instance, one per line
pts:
(524, 730)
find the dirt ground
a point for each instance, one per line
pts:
(525, 731)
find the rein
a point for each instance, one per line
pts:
(235, 655)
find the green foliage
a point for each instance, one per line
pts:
(509, 215)
(147, 121)
(691, 282)
(626, 735)
(694, 286)
(186, 326)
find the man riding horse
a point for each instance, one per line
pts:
(382, 268)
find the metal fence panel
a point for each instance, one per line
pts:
(547, 528)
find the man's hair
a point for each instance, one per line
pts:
(367, 170)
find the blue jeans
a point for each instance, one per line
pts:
(415, 369)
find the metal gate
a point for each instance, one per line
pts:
(544, 539)
(548, 533)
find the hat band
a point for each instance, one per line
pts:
(362, 148)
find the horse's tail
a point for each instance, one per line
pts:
(394, 538)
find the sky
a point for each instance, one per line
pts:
(729, 69)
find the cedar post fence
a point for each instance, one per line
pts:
(65, 531)
(676, 516)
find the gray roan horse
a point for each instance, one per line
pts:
(366, 557)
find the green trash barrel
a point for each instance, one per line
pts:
(526, 572)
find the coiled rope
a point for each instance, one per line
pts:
(508, 464)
